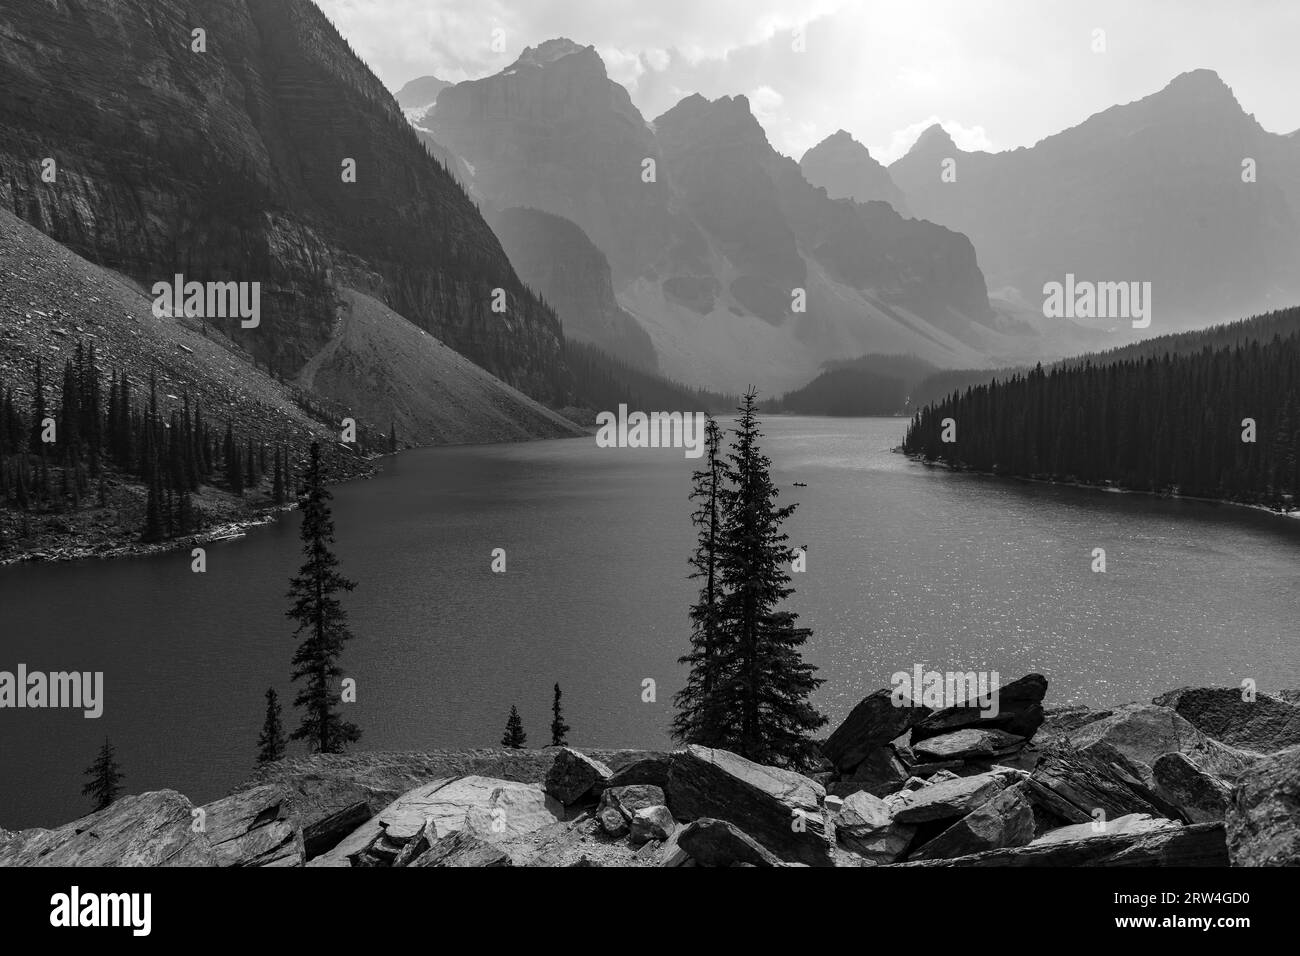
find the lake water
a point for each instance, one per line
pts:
(906, 565)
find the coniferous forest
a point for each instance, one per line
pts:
(1222, 422)
(95, 434)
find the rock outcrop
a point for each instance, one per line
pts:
(1087, 802)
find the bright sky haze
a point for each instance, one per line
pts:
(997, 74)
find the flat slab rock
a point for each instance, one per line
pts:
(762, 801)
(493, 809)
(1201, 844)
(970, 743)
(147, 829)
(947, 799)
(1019, 706)
(254, 828)
(1127, 824)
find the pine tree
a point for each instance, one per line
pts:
(559, 729)
(761, 682)
(105, 779)
(514, 737)
(270, 744)
(277, 484)
(698, 720)
(320, 615)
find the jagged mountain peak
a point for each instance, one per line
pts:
(934, 138)
(846, 169)
(552, 51)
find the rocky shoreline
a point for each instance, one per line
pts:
(1197, 777)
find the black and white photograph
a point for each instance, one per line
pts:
(649, 434)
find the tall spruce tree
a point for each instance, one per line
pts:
(761, 682)
(559, 729)
(105, 778)
(514, 737)
(698, 719)
(321, 619)
(270, 743)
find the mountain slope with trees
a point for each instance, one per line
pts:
(1218, 422)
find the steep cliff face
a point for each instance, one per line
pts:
(228, 165)
(558, 261)
(1147, 191)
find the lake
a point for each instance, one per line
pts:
(906, 565)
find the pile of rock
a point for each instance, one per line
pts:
(1199, 777)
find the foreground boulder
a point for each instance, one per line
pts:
(574, 776)
(651, 823)
(462, 849)
(1263, 819)
(948, 799)
(1141, 733)
(1020, 712)
(1201, 844)
(1201, 797)
(718, 843)
(1072, 786)
(1131, 823)
(865, 825)
(1007, 820)
(254, 828)
(149, 829)
(1266, 724)
(780, 809)
(874, 722)
(618, 805)
(969, 744)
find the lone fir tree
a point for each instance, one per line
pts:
(757, 702)
(559, 729)
(270, 743)
(105, 779)
(514, 737)
(698, 720)
(321, 619)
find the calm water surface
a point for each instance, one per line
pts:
(905, 565)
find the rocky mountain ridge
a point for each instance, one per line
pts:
(709, 231)
(1181, 188)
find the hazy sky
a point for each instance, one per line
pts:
(997, 73)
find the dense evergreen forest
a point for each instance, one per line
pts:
(57, 458)
(1169, 417)
(601, 382)
(872, 384)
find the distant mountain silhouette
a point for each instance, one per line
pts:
(422, 91)
(1148, 191)
(846, 170)
(557, 260)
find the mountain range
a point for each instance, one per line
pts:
(738, 267)
(1156, 190)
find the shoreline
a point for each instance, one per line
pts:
(1293, 513)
